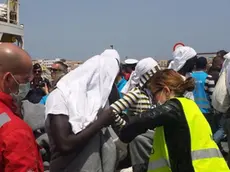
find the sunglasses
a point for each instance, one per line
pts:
(157, 91)
(55, 70)
(37, 71)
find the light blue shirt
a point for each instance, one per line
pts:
(120, 86)
(43, 100)
(200, 95)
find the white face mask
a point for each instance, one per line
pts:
(22, 90)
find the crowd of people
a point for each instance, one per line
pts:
(108, 116)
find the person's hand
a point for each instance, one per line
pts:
(105, 117)
(45, 89)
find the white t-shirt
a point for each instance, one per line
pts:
(56, 104)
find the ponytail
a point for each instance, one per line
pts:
(187, 85)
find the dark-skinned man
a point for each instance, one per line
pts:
(18, 148)
(76, 126)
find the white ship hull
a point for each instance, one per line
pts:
(10, 28)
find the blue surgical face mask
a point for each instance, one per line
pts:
(23, 90)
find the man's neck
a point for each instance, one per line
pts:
(55, 81)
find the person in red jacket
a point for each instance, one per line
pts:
(129, 67)
(19, 151)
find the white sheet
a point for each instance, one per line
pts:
(226, 62)
(87, 88)
(226, 66)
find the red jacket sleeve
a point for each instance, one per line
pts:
(21, 153)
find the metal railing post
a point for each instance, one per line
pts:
(8, 11)
(18, 22)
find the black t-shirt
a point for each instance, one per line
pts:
(36, 93)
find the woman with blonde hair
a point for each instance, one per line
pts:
(183, 138)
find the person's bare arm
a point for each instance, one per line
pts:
(66, 141)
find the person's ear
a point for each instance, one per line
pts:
(6, 81)
(167, 91)
(7, 77)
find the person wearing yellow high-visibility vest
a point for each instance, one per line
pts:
(183, 138)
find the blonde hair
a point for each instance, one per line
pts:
(173, 80)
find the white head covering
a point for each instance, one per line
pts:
(180, 56)
(144, 69)
(226, 67)
(86, 89)
(226, 61)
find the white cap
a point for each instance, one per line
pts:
(131, 61)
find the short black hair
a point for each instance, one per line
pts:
(201, 63)
(37, 66)
(221, 53)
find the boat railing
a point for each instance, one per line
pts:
(9, 12)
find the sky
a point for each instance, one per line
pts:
(79, 29)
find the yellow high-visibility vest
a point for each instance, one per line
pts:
(205, 154)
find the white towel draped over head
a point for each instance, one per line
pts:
(180, 57)
(226, 61)
(144, 69)
(226, 67)
(86, 89)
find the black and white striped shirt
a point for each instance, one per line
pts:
(210, 86)
(136, 101)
